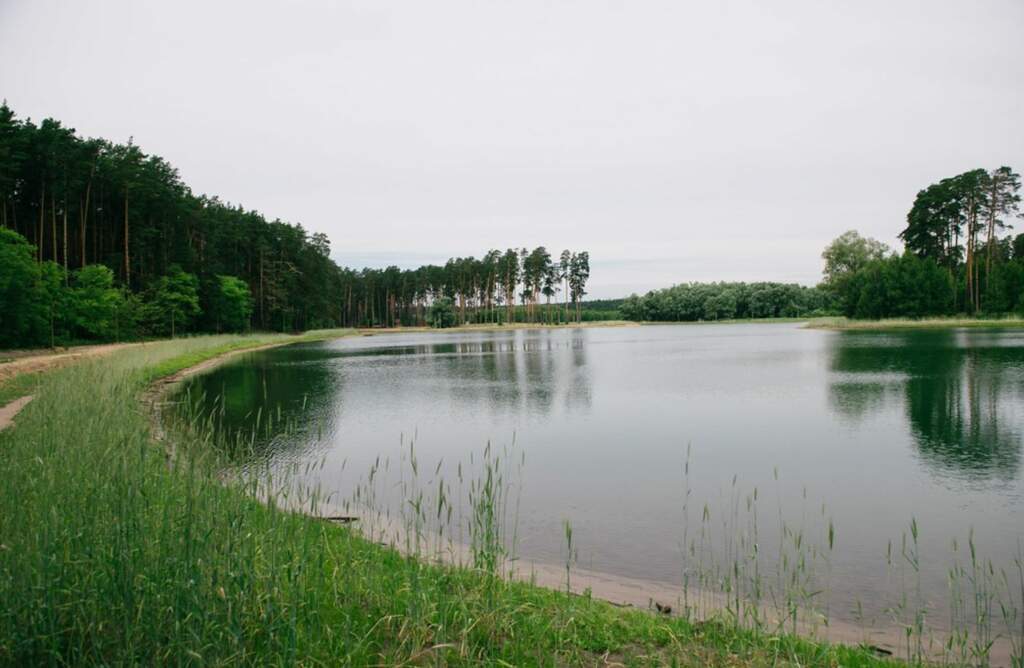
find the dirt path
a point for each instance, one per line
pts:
(32, 361)
(42, 361)
(8, 412)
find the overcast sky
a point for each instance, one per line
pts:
(676, 141)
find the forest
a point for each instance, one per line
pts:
(726, 301)
(957, 258)
(100, 241)
(958, 255)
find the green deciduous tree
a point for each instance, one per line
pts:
(19, 272)
(897, 286)
(848, 253)
(174, 302)
(93, 302)
(232, 304)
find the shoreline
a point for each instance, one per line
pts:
(644, 594)
(154, 394)
(840, 324)
(641, 594)
(619, 591)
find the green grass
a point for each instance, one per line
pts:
(215, 346)
(109, 555)
(18, 386)
(1010, 322)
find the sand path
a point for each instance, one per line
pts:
(33, 361)
(22, 362)
(8, 412)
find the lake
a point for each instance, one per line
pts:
(651, 440)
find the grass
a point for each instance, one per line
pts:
(1009, 322)
(110, 556)
(18, 386)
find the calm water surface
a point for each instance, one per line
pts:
(867, 430)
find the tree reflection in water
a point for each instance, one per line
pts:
(296, 392)
(959, 387)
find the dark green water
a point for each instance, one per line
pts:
(875, 428)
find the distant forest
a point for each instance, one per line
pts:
(100, 241)
(727, 301)
(958, 258)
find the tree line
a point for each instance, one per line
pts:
(957, 255)
(102, 241)
(958, 258)
(726, 301)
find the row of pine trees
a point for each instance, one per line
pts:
(78, 202)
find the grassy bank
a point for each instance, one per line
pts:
(922, 323)
(110, 556)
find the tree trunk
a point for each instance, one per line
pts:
(969, 261)
(84, 215)
(127, 262)
(53, 227)
(566, 281)
(42, 219)
(993, 207)
(263, 320)
(65, 243)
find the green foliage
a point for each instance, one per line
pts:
(725, 301)
(50, 298)
(129, 316)
(848, 253)
(897, 286)
(1017, 247)
(441, 313)
(956, 224)
(18, 277)
(93, 302)
(174, 302)
(232, 304)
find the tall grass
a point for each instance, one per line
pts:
(728, 576)
(108, 555)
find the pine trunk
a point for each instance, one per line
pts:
(127, 263)
(65, 243)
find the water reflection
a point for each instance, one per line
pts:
(272, 402)
(959, 390)
(929, 423)
(324, 389)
